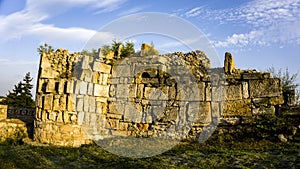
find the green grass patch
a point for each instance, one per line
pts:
(247, 154)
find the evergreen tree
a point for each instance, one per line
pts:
(21, 94)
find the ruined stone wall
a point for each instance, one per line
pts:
(11, 129)
(25, 114)
(81, 97)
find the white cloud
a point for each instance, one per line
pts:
(270, 21)
(53, 7)
(239, 40)
(28, 21)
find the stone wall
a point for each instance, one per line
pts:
(82, 98)
(24, 114)
(11, 129)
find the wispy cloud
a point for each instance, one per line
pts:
(132, 10)
(270, 21)
(28, 22)
(6, 62)
(194, 12)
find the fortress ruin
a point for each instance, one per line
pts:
(83, 97)
(78, 96)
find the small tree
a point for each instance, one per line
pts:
(128, 49)
(45, 48)
(21, 94)
(288, 81)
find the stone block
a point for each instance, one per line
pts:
(96, 76)
(86, 103)
(228, 63)
(63, 102)
(77, 86)
(85, 62)
(201, 86)
(92, 104)
(132, 90)
(56, 102)
(218, 93)
(268, 101)
(83, 88)
(237, 108)
(132, 115)
(86, 75)
(50, 88)
(245, 90)
(90, 90)
(204, 113)
(70, 85)
(122, 90)
(59, 118)
(265, 88)
(215, 109)
(104, 79)
(61, 86)
(48, 100)
(66, 117)
(79, 104)
(101, 67)
(252, 76)
(71, 102)
(116, 107)
(48, 73)
(39, 100)
(101, 90)
(126, 71)
(80, 118)
(234, 92)
(208, 91)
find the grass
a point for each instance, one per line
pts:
(212, 154)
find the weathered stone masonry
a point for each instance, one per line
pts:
(75, 91)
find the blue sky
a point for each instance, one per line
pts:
(259, 33)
